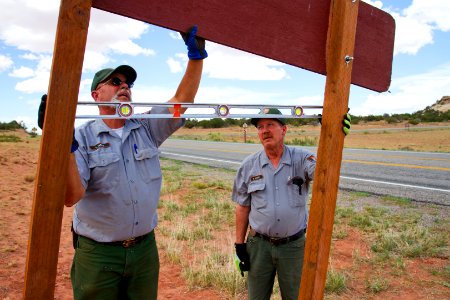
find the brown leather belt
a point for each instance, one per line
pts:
(278, 241)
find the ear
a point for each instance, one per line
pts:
(94, 95)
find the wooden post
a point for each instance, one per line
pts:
(340, 44)
(49, 192)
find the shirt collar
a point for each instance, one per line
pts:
(99, 126)
(285, 157)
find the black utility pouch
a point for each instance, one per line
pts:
(74, 237)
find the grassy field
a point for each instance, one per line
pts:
(379, 243)
(382, 247)
(377, 135)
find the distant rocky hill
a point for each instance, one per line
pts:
(442, 105)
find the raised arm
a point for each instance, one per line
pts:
(191, 80)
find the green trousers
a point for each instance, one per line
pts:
(267, 260)
(113, 272)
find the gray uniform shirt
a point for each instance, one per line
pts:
(278, 209)
(122, 177)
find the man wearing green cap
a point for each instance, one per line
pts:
(271, 192)
(115, 181)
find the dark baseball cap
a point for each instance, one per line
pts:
(270, 111)
(101, 75)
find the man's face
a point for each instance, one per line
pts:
(271, 133)
(113, 89)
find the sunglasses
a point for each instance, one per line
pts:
(115, 81)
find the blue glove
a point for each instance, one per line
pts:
(195, 44)
(41, 117)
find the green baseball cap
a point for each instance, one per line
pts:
(270, 111)
(101, 75)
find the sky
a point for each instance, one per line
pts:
(420, 72)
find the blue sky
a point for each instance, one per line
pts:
(420, 75)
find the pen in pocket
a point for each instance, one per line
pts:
(135, 148)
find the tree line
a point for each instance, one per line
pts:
(427, 115)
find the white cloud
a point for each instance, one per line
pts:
(377, 4)
(175, 66)
(22, 72)
(175, 35)
(228, 63)
(433, 12)
(31, 27)
(39, 82)
(5, 63)
(416, 24)
(411, 34)
(409, 94)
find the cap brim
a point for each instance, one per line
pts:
(254, 121)
(128, 71)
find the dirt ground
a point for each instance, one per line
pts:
(18, 162)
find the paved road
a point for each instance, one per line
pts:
(420, 176)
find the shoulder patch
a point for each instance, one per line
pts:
(311, 158)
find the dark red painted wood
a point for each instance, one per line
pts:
(293, 32)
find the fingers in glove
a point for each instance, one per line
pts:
(347, 123)
(41, 111)
(195, 44)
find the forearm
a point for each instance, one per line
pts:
(188, 86)
(242, 213)
(75, 190)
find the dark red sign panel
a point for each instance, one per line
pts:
(293, 32)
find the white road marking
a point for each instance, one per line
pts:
(344, 177)
(397, 184)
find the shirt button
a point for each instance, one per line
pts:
(137, 223)
(131, 180)
(278, 204)
(278, 220)
(276, 188)
(135, 201)
(127, 160)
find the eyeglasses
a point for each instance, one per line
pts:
(115, 81)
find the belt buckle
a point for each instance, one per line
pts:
(129, 243)
(274, 241)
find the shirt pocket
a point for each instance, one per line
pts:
(104, 167)
(295, 199)
(256, 190)
(147, 162)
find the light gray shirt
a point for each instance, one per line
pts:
(122, 177)
(278, 206)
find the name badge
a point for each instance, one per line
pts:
(256, 177)
(100, 145)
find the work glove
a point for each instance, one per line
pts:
(244, 258)
(41, 117)
(195, 44)
(346, 122)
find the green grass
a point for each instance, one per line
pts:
(336, 282)
(304, 141)
(376, 285)
(197, 219)
(8, 138)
